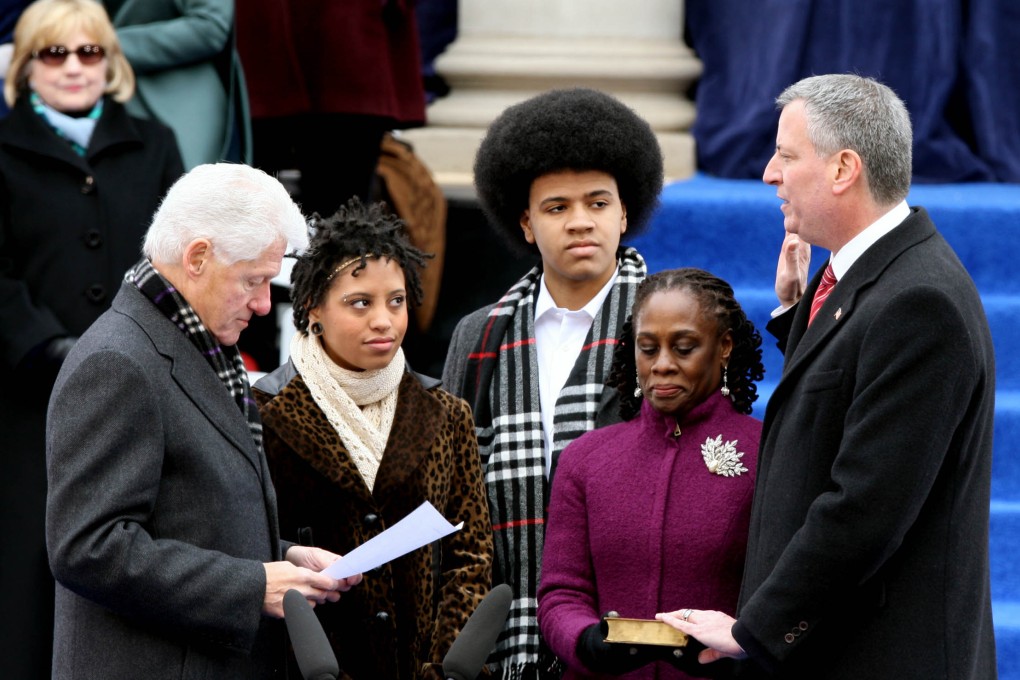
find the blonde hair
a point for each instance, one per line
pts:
(48, 22)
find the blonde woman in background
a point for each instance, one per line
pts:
(79, 182)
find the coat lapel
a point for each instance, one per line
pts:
(114, 128)
(294, 415)
(28, 132)
(297, 419)
(806, 342)
(192, 373)
(415, 427)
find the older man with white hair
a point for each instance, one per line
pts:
(161, 517)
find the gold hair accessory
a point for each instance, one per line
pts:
(345, 264)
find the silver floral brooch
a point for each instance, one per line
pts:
(722, 458)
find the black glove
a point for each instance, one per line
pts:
(608, 658)
(687, 661)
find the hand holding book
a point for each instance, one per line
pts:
(616, 645)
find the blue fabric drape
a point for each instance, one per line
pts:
(955, 63)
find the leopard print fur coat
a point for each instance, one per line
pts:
(400, 621)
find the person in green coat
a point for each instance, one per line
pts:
(188, 74)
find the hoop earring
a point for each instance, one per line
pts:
(316, 328)
(637, 385)
(725, 390)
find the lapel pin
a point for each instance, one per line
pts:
(839, 313)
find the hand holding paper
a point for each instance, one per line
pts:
(419, 528)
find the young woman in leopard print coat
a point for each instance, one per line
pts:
(356, 441)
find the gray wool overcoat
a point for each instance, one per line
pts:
(160, 511)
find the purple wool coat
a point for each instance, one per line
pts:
(638, 524)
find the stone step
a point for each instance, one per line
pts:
(1005, 457)
(1003, 312)
(1003, 547)
(1006, 615)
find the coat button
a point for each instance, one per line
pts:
(96, 292)
(93, 239)
(803, 625)
(89, 185)
(789, 638)
(371, 519)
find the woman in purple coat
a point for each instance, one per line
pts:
(651, 514)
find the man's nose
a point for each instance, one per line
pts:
(772, 175)
(261, 302)
(578, 218)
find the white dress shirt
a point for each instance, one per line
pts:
(559, 337)
(858, 245)
(855, 247)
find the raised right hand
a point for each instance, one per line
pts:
(792, 270)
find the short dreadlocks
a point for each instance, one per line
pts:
(355, 230)
(715, 298)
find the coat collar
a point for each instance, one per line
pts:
(25, 130)
(288, 409)
(804, 342)
(191, 372)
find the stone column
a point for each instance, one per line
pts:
(509, 50)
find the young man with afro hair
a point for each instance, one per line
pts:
(567, 172)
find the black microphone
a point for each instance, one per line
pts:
(469, 651)
(314, 655)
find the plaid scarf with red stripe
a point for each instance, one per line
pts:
(502, 387)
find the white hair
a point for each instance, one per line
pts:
(847, 111)
(240, 209)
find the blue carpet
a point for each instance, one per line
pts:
(734, 229)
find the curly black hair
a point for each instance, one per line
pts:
(715, 297)
(575, 129)
(355, 230)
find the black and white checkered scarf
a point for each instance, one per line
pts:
(225, 361)
(502, 387)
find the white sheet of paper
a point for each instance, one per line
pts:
(419, 528)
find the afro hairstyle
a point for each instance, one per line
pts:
(576, 129)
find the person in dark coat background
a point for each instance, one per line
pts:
(868, 549)
(79, 181)
(325, 80)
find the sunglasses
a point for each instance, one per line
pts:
(55, 55)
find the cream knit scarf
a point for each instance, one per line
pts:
(358, 404)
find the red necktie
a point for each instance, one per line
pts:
(824, 288)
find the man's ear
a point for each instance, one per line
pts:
(529, 235)
(196, 257)
(848, 167)
(623, 221)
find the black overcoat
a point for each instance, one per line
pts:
(868, 549)
(70, 227)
